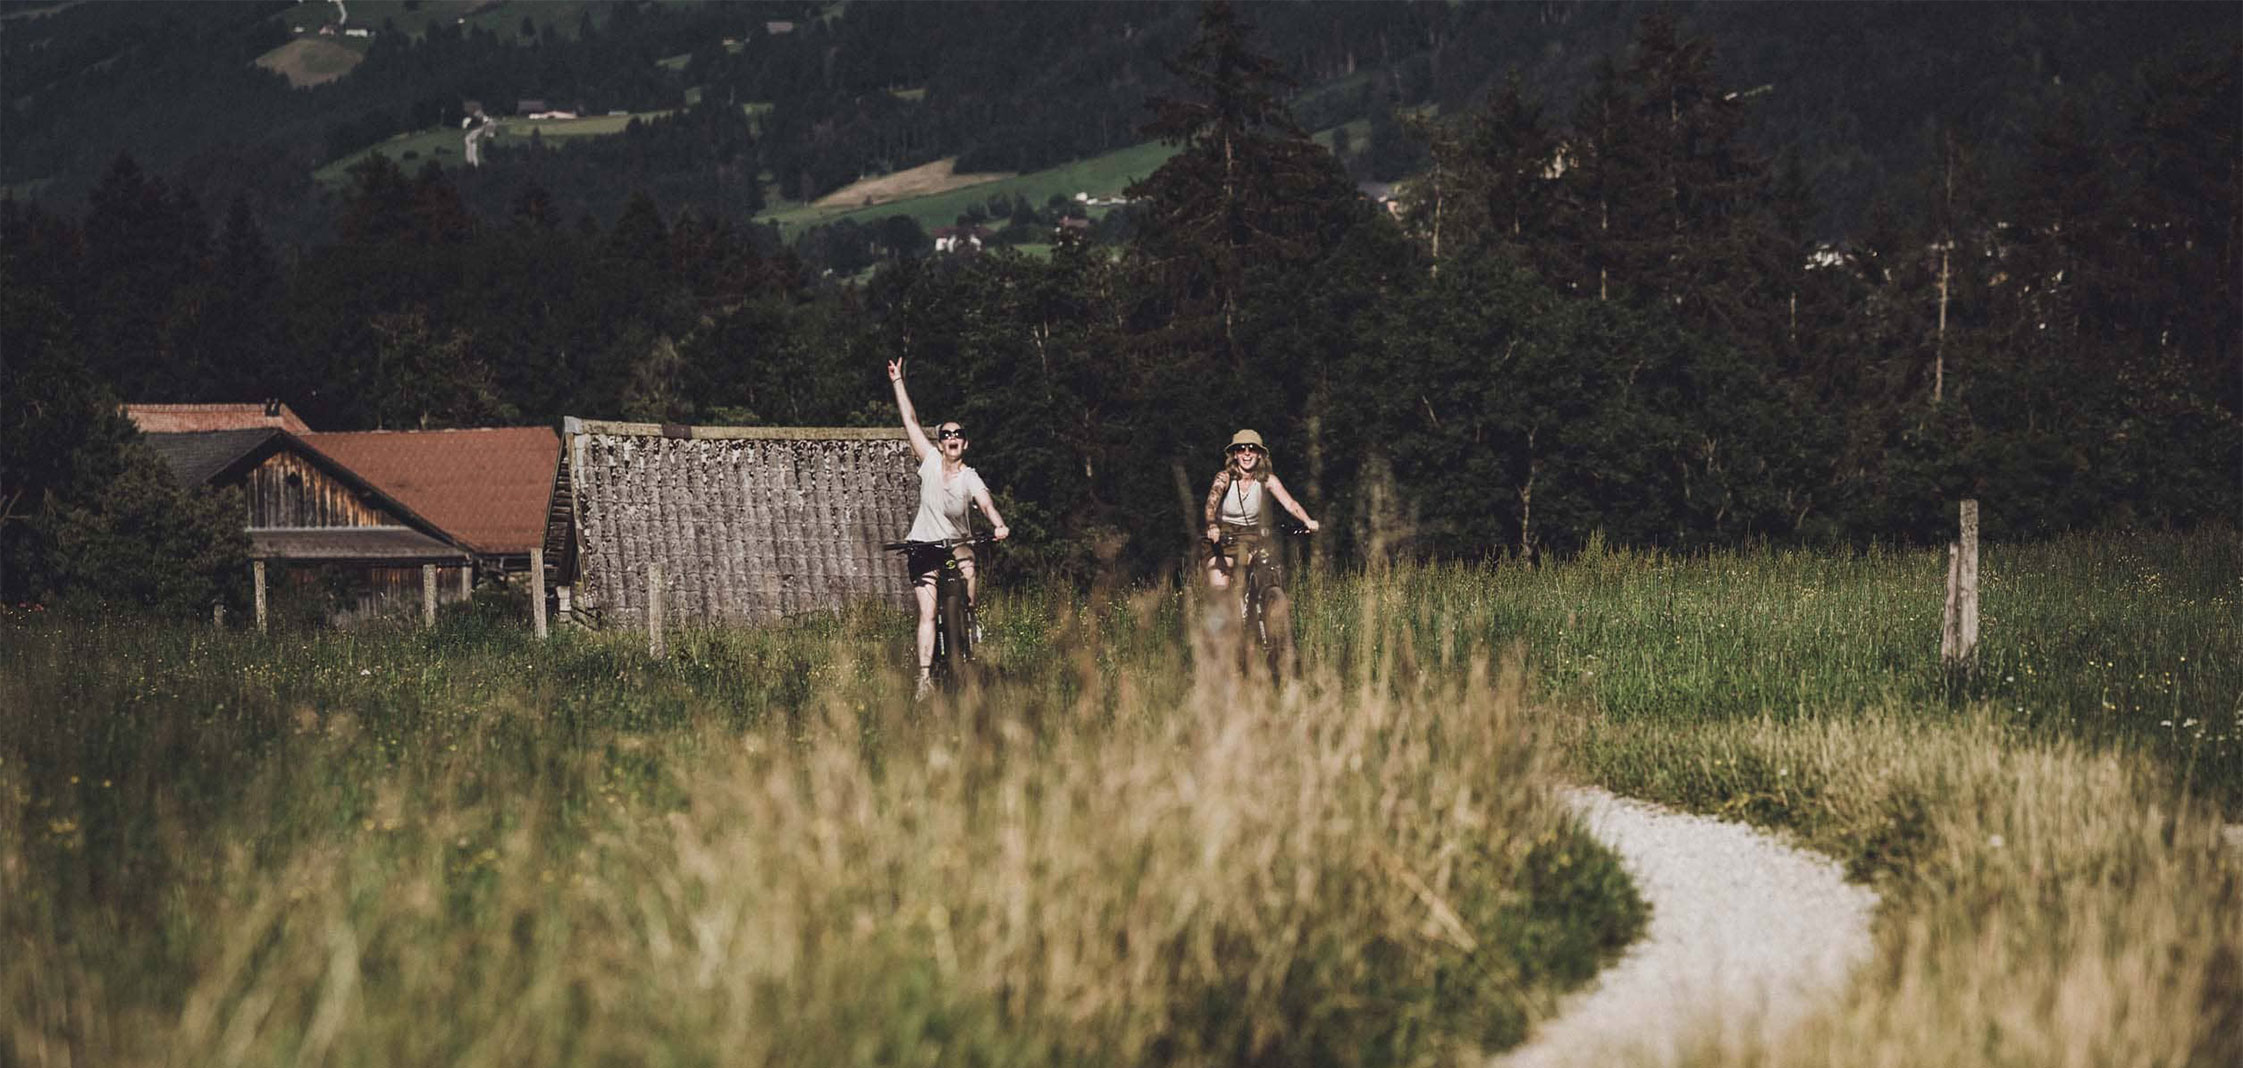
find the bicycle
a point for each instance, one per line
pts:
(1263, 605)
(957, 629)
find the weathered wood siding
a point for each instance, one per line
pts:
(746, 529)
(290, 491)
(370, 592)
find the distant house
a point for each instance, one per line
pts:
(1072, 227)
(530, 105)
(358, 31)
(778, 27)
(1387, 195)
(556, 114)
(960, 238)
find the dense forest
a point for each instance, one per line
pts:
(1610, 307)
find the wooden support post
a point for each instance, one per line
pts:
(1958, 632)
(655, 647)
(257, 578)
(467, 580)
(537, 589)
(564, 601)
(428, 595)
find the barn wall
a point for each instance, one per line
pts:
(290, 491)
(746, 530)
(372, 592)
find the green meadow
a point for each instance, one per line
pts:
(391, 846)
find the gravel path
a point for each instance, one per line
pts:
(1747, 935)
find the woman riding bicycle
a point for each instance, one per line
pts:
(946, 486)
(1238, 521)
(1237, 504)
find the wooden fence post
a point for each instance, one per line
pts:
(654, 644)
(257, 578)
(428, 595)
(1958, 632)
(537, 589)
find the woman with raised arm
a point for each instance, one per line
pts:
(946, 486)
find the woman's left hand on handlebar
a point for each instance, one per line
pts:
(1002, 531)
(1311, 524)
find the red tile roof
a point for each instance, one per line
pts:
(191, 418)
(488, 488)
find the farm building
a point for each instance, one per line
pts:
(377, 505)
(488, 489)
(307, 511)
(746, 524)
(186, 418)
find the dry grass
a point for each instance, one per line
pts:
(938, 177)
(2046, 904)
(311, 61)
(1366, 870)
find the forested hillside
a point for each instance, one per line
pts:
(820, 94)
(1627, 296)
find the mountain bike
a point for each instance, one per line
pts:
(957, 630)
(1263, 605)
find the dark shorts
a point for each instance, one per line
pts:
(924, 563)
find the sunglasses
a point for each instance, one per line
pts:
(1236, 449)
(953, 432)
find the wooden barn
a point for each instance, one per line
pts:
(744, 524)
(379, 505)
(302, 508)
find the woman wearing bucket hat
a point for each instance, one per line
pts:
(1238, 521)
(1238, 502)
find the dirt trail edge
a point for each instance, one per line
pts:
(1747, 936)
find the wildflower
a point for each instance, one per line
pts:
(1995, 841)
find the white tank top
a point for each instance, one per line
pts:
(1242, 503)
(942, 501)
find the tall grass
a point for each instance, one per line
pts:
(2045, 830)
(2133, 641)
(461, 847)
(2046, 904)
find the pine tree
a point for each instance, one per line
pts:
(1247, 187)
(250, 310)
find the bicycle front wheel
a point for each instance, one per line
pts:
(956, 646)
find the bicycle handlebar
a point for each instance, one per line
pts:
(940, 543)
(1229, 536)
